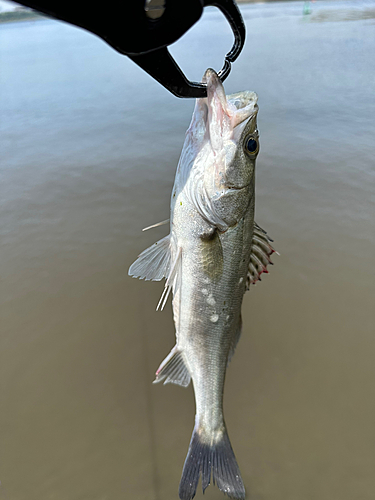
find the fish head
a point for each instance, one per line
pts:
(242, 149)
(217, 163)
(231, 128)
(224, 140)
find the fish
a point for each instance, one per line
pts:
(211, 256)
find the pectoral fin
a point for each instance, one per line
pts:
(261, 250)
(211, 255)
(154, 262)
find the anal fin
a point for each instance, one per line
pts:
(173, 370)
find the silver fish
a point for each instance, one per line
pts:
(213, 253)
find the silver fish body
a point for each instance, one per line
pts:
(212, 254)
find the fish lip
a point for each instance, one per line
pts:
(249, 116)
(244, 106)
(239, 107)
(209, 75)
(215, 86)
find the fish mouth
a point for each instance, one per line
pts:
(219, 119)
(215, 89)
(245, 104)
(227, 112)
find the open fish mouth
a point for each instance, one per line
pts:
(219, 118)
(228, 111)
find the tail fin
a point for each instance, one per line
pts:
(204, 459)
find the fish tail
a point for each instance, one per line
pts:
(206, 457)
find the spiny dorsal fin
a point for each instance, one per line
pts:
(173, 370)
(154, 262)
(261, 250)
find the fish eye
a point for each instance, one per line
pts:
(251, 145)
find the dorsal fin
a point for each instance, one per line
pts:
(235, 340)
(261, 250)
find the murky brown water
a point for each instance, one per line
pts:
(89, 147)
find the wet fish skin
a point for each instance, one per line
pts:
(206, 261)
